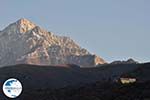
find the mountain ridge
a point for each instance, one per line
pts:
(129, 61)
(24, 42)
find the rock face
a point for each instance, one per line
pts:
(26, 43)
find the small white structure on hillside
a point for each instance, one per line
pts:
(127, 80)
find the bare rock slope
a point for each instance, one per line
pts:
(23, 42)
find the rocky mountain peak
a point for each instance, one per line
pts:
(24, 25)
(24, 42)
(19, 27)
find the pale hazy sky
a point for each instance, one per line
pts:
(112, 29)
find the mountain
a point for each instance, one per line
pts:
(23, 42)
(129, 61)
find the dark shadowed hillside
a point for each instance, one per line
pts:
(96, 91)
(141, 73)
(70, 82)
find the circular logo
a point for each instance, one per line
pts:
(12, 88)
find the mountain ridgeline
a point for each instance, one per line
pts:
(23, 42)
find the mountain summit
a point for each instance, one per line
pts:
(23, 42)
(21, 26)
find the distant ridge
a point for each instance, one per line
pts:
(129, 61)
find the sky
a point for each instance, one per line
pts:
(112, 29)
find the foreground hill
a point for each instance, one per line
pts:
(141, 73)
(70, 82)
(96, 91)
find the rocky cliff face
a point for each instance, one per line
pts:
(25, 42)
